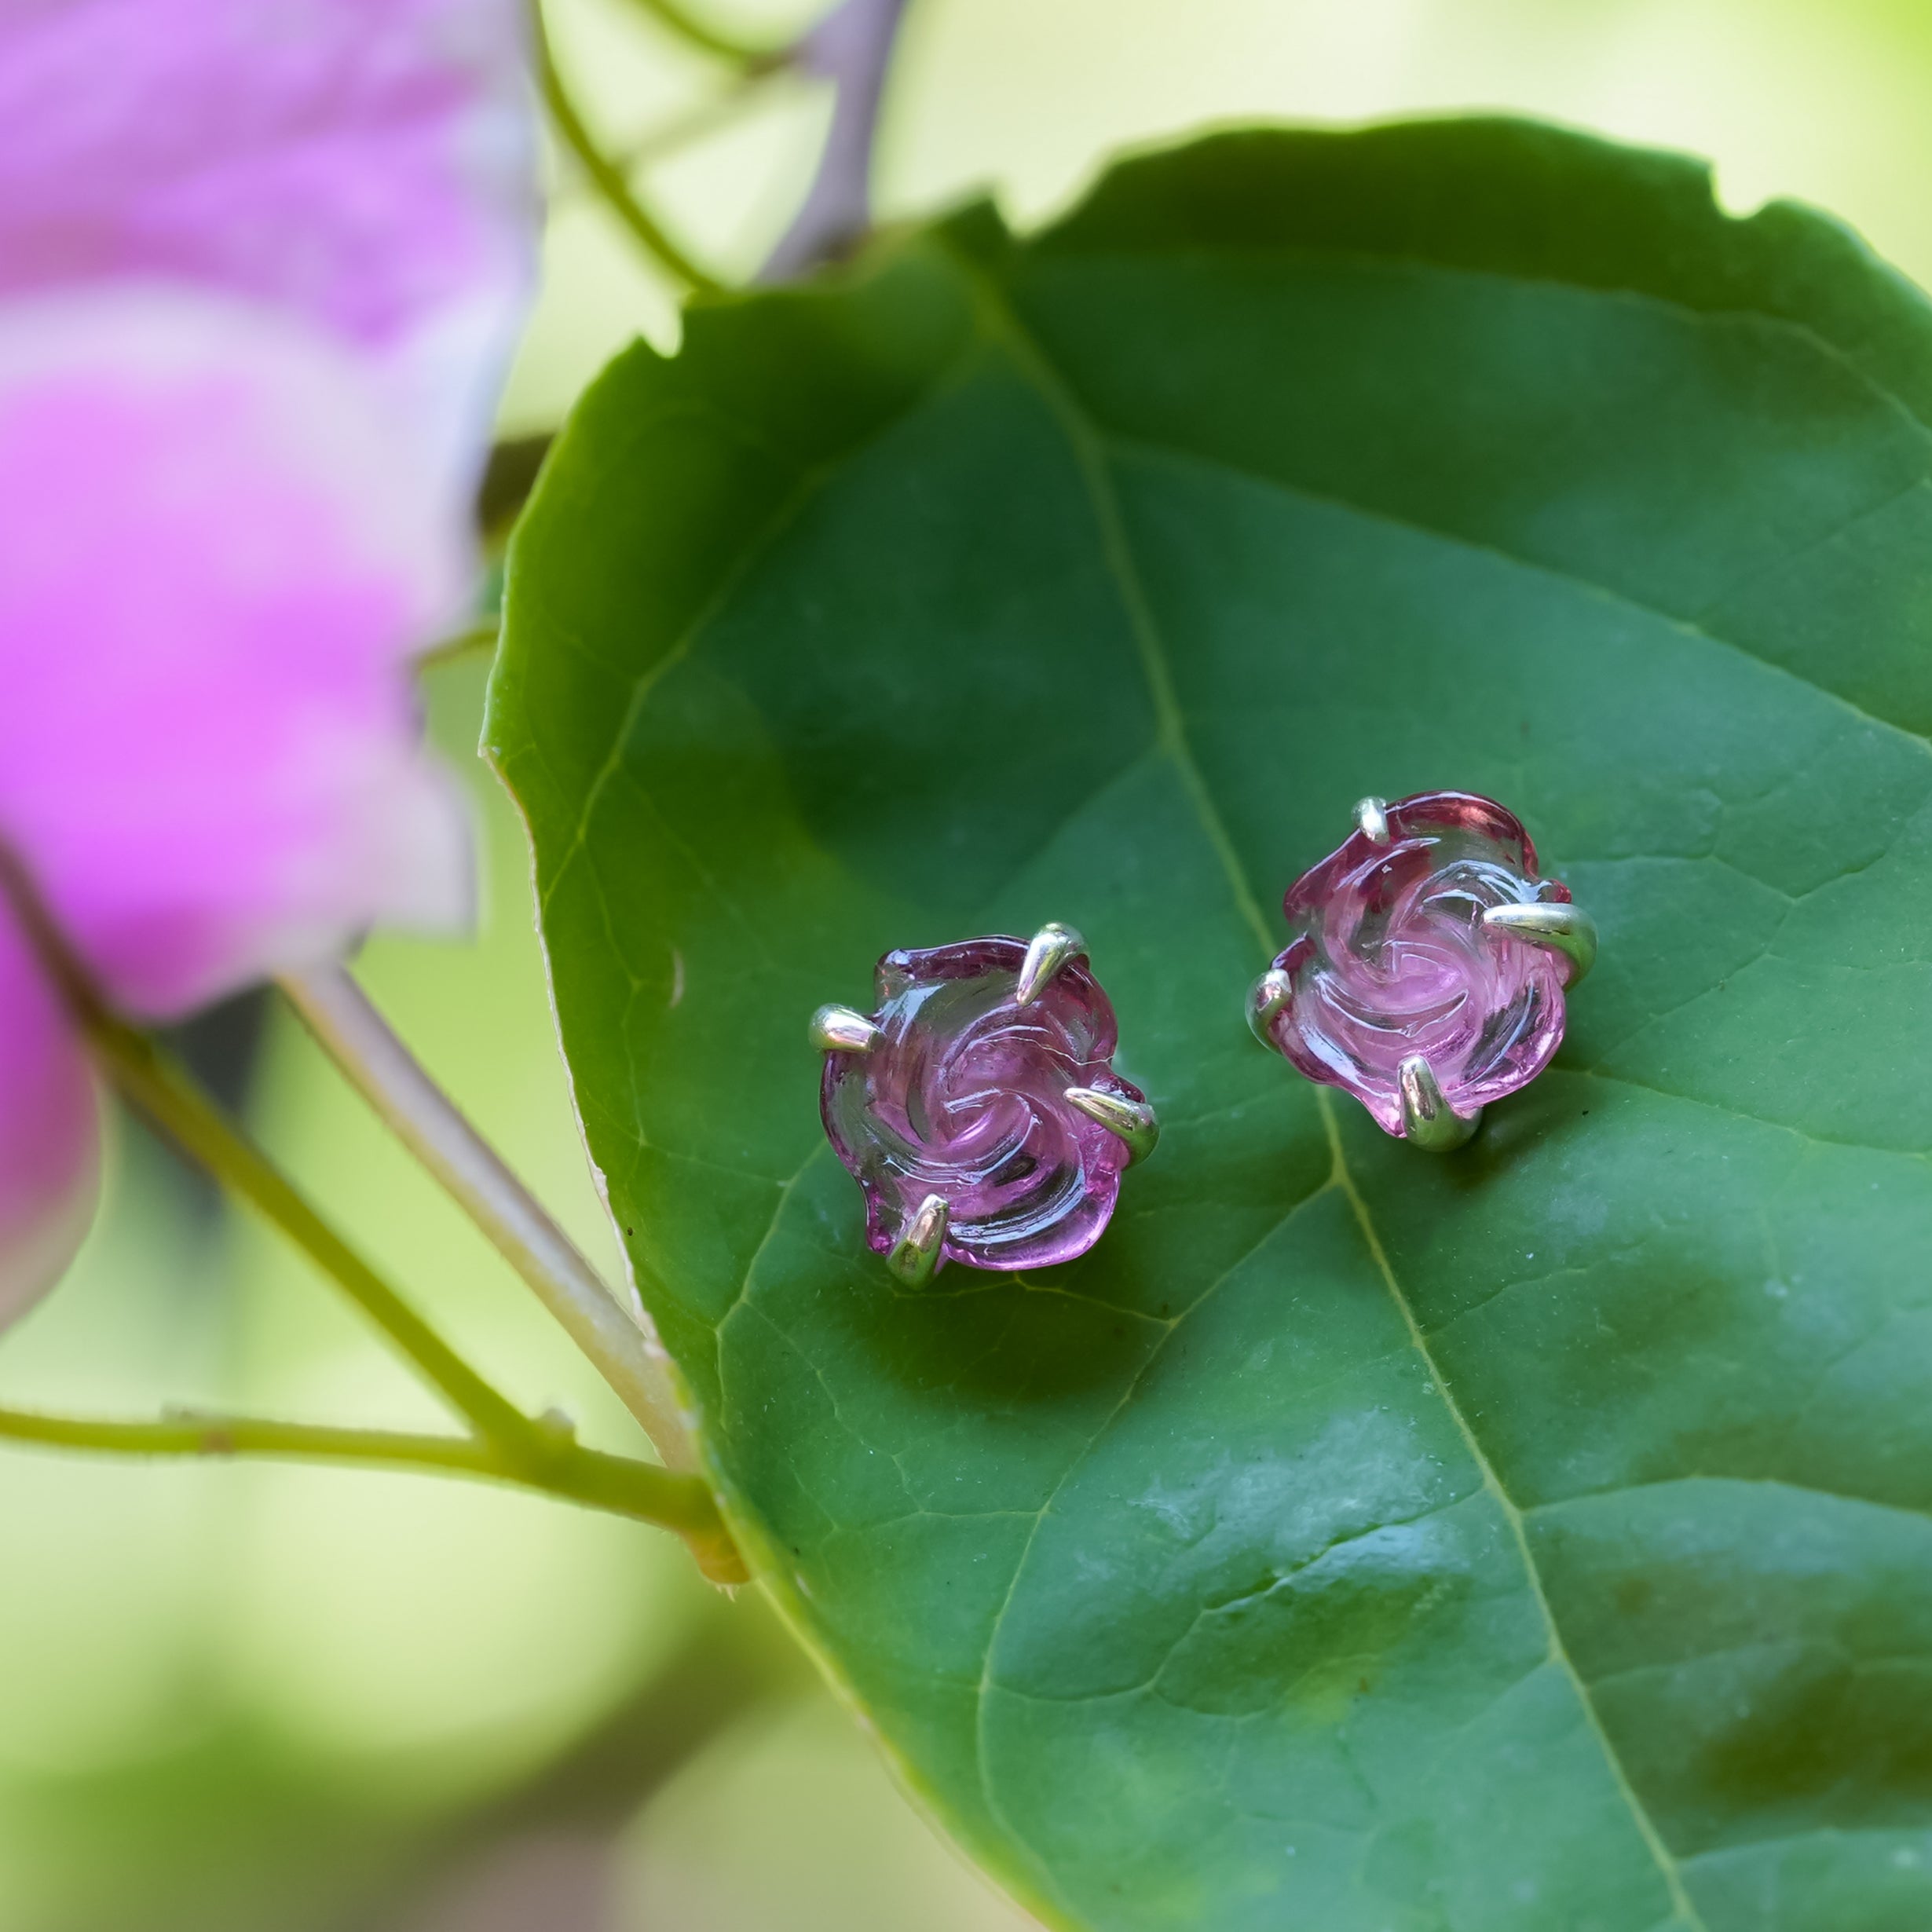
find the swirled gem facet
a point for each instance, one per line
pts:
(961, 1093)
(1393, 958)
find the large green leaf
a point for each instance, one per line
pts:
(1534, 1537)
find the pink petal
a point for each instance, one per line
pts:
(49, 1142)
(262, 266)
(218, 548)
(365, 163)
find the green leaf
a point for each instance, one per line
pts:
(1530, 1540)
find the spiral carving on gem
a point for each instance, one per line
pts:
(1427, 971)
(978, 1107)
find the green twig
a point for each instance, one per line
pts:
(561, 1468)
(348, 1029)
(694, 33)
(188, 1118)
(478, 641)
(186, 1115)
(605, 176)
(698, 122)
(507, 1445)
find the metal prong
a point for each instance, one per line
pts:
(1428, 1121)
(1132, 1119)
(1267, 999)
(916, 1254)
(839, 1030)
(1563, 928)
(1047, 952)
(1371, 819)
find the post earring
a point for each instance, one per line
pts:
(1430, 966)
(977, 1106)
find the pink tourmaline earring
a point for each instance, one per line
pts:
(1429, 967)
(977, 1107)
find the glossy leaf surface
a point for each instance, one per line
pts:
(1531, 1538)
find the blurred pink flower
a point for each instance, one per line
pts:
(262, 266)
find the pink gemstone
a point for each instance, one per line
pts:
(964, 1097)
(1390, 957)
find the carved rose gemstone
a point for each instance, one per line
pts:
(963, 1095)
(1392, 958)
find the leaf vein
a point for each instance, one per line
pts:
(1089, 446)
(1078, 1462)
(1559, 1654)
(1922, 1512)
(1736, 1112)
(1150, 449)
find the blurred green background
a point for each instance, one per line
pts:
(259, 1697)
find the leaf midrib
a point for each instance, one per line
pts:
(1088, 446)
(1685, 626)
(1437, 267)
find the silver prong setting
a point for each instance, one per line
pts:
(1552, 924)
(1267, 999)
(1130, 1121)
(916, 1254)
(1053, 946)
(1371, 819)
(1428, 1121)
(841, 1030)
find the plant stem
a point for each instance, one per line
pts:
(422, 1116)
(564, 1468)
(852, 47)
(698, 122)
(605, 176)
(478, 641)
(508, 1445)
(194, 1122)
(670, 16)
